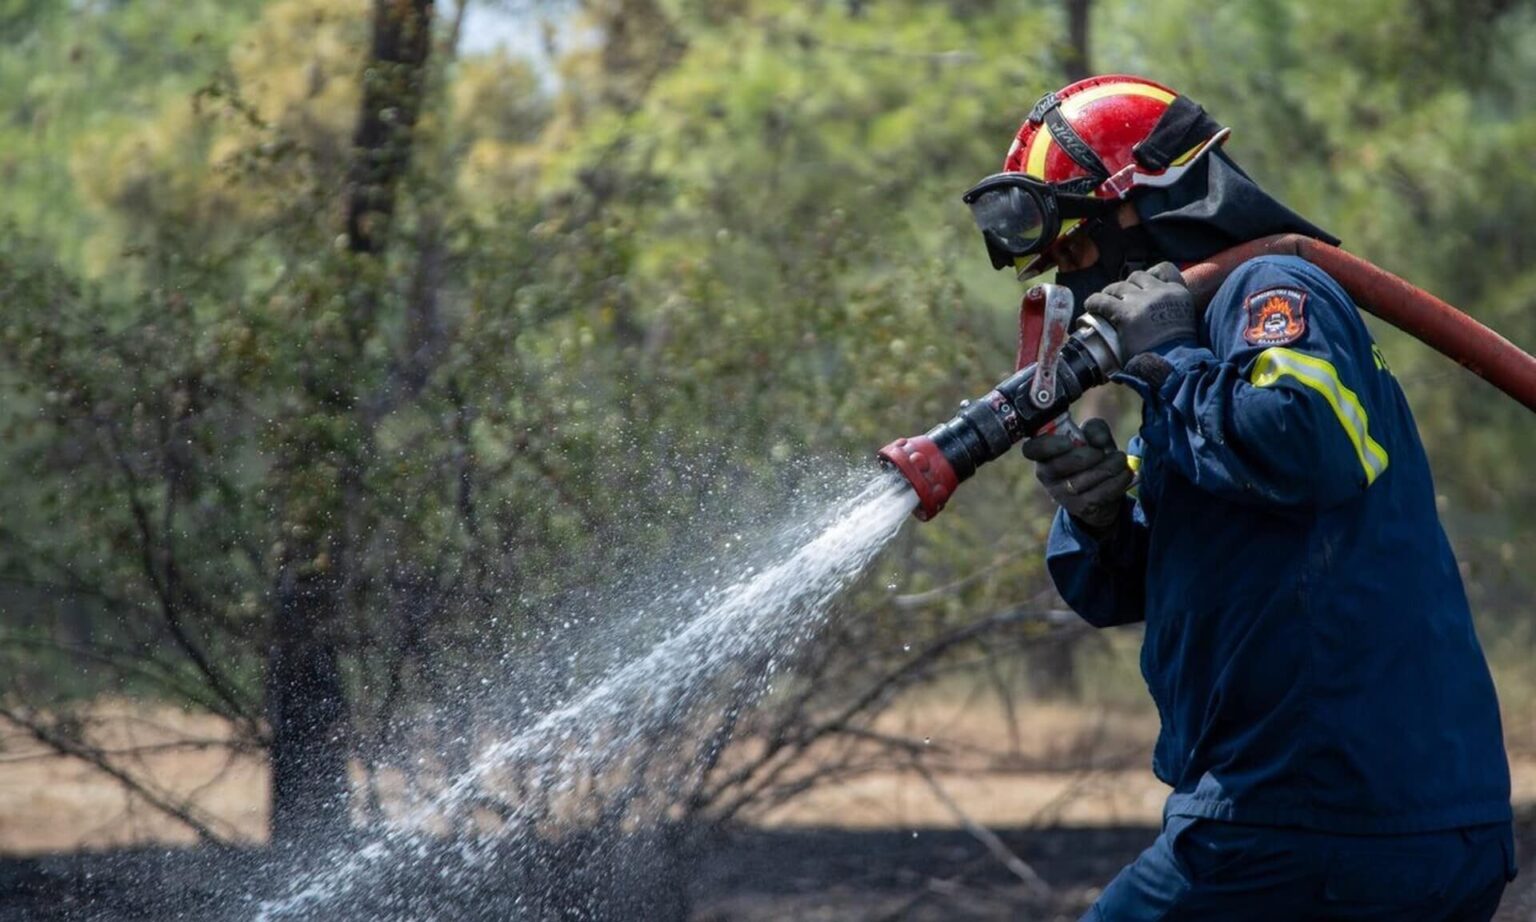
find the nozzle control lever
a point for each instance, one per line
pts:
(1054, 304)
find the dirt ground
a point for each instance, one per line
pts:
(943, 875)
(1067, 790)
(1061, 765)
(756, 875)
(1056, 765)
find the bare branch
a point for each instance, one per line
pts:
(995, 846)
(127, 663)
(949, 590)
(65, 744)
(780, 753)
(145, 749)
(163, 585)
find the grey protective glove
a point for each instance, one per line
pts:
(1089, 481)
(1147, 310)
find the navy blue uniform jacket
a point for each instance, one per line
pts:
(1308, 641)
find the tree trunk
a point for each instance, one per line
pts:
(1076, 63)
(307, 711)
(1051, 670)
(392, 90)
(306, 699)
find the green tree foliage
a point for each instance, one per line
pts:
(72, 69)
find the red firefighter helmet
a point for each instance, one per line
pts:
(1103, 137)
(1111, 114)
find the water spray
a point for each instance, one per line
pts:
(728, 638)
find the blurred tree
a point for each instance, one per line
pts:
(1077, 63)
(306, 704)
(72, 69)
(335, 455)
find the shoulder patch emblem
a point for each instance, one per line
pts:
(1275, 316)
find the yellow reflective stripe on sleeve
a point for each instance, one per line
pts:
(1134, 463)
(1321, 376)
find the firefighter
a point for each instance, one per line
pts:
(1328, 723)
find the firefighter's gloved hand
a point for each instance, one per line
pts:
(1089, 481)
(1148, 309)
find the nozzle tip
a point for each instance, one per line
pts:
(919, 460)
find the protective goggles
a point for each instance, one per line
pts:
(1019, 215)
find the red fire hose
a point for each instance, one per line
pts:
(1413, 310)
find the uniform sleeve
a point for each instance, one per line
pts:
(1103, 581)
(1275, 409)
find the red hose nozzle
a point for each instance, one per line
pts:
(938, 461)
(924, 466)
